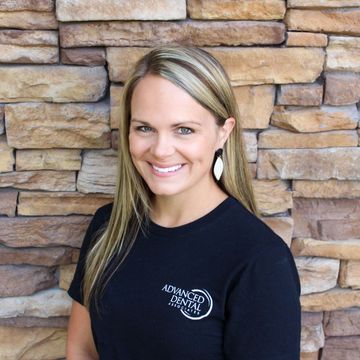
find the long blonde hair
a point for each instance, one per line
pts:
(203, 77)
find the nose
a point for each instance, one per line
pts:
(162, 146)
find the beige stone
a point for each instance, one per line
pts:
(337, 249)
(115, 110)
(44, 303)
(309, 355)
(34, 5)
(32, 343)
(283, 226)
(326, 189)
(29, 37)
(85, 10)
(300, 94)
(39, 180)
(317, 274)
(115, 140)
(48, 159)
(272, 196)
(28, 54)
(49, 256)
(28, 279)
(44, 125)
(316, 119)
(309, 318)
(31, 321)
(342, 322)
(33, 203)
(236, 9)
(8, 202)
(87, 57)
(327, 219)
(312, 339)
(349, 275)
(284, 139)
(28, 20)
(321, 3)
(343, 53)
(7, 158)
(66, 275)
(250, 143)
(43, 231)
(98, 172)
(330, 300)
(336, 21)
(245, 66)
(341, 348)
(306, 39)
(342, 88)
(310, 164)
(255, 104)
(52, 83)
(198, 33)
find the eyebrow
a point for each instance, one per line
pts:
(173, 125)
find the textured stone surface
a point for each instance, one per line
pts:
(245, 66)
(199, 33)
(31, 321)
(49, 256)
(59, 203)
(250, 143)
(312, 339)
(43, 125)
(349, 275)
(281, 225)
(343, 53)
(8, 198)
(342, 322)
(317, 119)
(306, 39)
(338, 249)
(32, 343)
(346, 348)
(85, 10)
(115, 100)
(282, 139)
(327, 219)
(52, 83)
(337, 21)
(28, 20)
(234, 9)
(29, 37)
(43, 231)
(84, 56)
(272, 196)
(312, 164)
(300, 94)
(28, 55)
(28, 279)
(7, 158)
(329, 300)
(256, 104)
(321, 3)
(39, 180)
(34, 5)
(342, 88)
(317, 274)
(326, 189)
(66, 275)
(48, 159)
(98, 172)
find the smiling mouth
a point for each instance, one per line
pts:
(166, 169)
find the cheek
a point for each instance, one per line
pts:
(136, 146)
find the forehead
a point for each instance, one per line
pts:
(156, 98)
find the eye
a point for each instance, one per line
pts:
(185, 130)
(143, 128)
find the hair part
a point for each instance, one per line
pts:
(203, 77)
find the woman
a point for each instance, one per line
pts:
(180, 266)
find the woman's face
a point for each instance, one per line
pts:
(173, 138)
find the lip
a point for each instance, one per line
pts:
(164, 166)
(165, 174)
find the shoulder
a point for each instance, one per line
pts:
(103, 213)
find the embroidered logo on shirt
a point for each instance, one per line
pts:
(195, 304)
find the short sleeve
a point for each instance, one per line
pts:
(75, 288)
(263, 311)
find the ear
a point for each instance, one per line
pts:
(225, 131)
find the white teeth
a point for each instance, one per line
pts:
(165, 170)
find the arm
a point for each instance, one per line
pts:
(80, 343)
(263, 312)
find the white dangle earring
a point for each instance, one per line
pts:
(219, 164)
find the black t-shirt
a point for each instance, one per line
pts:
(224, 286)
